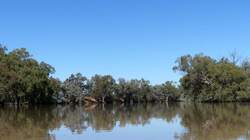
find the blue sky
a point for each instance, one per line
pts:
(124, 38)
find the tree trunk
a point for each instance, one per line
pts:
(17, 100)
(103, 99)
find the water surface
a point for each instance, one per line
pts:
(177, 121)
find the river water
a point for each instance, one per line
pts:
(176, 121)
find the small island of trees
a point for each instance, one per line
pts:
(24, 80)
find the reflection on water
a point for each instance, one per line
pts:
(158, 122)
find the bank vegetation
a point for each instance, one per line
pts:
(24, 80)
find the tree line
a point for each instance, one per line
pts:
(24, 80)
(105, 89)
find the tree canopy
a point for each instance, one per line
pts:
(210, 80)
(26, 80)
(23, 79)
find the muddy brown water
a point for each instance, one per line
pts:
(176, 121)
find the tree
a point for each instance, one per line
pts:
(75, 87)
(171, 91)
(207, 79)
(246, 65)
(234, 57)
(103, 87)
(23, 79)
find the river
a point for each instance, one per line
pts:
(173, 121)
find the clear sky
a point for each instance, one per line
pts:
(124, 38)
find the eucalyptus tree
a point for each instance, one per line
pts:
(103, 88)
(23, 79)
(75, 87)
(207, 79)
(170, 91)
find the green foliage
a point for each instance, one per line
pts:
(102, 87)
(209, 80)
(75, 87)
(105, 89)
(134, 90)
(23, 79)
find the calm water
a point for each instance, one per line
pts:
(140, 122)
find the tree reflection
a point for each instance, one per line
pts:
(27, 123)
(215, 121)
(202, 121)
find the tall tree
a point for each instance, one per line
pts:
(103, 87)
(75, 87)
